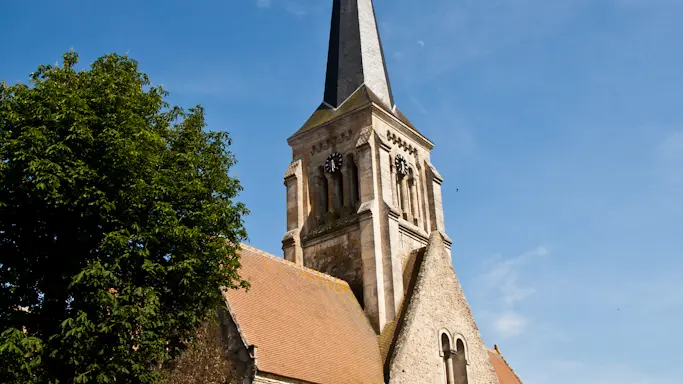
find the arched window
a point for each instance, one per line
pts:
(403, 195)
(321, 195)
(396, 199)
(445, 344)
(337, 192)
(351, 183)
(355, 185)
(460, 363)
(422, 203)
(399, 192)
(412, 193)
(446, 354)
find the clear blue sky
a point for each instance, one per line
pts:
(560, 121)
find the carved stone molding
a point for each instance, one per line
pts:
(291, 171)
(291, 236)
(364, 136)
(336, 225)
(437, 176)
(330, 142)
(397, 140)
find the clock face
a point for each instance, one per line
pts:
(401, 166)
(333, 163)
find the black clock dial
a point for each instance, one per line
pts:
(401, 166)
(333, 163)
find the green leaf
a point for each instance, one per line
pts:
(111, 201)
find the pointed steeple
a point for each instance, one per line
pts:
(355, 55)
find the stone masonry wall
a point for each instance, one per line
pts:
(338, 255)
(409, 243)
(438, 303)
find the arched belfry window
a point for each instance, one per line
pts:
(351, 183)
(460, 363)
(446, 354)
(399, 189)
(454, 357)
(337, 192)
(355, 180)
(445, 344)
(321, 195)
(413, 196)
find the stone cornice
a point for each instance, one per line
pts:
(437, 176)
(298, 136)
(413, 231)
(331, 230)
(291, 170)
(364, 136)
(393, 212)
(383, 143)
(290, 236)
(405, 129)
(447, 240)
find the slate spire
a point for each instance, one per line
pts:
(355, 55)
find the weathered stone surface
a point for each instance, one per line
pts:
(437, 303)
(435, 200)
(296, 206)
(338, 256)
(371, 137)
(364, 136)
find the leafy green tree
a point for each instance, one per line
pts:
(118, 225)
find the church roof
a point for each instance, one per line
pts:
(505, 374)
(356, 69)
(308, 326)
(355, 55)
(305, 325)
(361, 98)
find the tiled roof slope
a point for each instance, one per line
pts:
(505, 374)
(306, 325)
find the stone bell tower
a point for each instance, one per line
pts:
(362, 193)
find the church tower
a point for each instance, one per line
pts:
(362, 193)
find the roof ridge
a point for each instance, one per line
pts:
(512, 370)
(291, 264)
(496, 351)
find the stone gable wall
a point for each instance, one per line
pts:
(438, 303)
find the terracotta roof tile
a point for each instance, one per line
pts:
(505, 374)
(306, 325)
